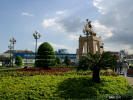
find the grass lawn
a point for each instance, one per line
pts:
(16, 85)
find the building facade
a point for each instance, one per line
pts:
(28, 57)
(62, 53)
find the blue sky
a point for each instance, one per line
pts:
(60, 22)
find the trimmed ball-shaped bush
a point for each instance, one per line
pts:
(45, 55)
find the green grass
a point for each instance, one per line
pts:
(17, 86)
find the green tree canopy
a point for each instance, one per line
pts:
(45, 55)
(97, 61)
(57, 60)
(18, 61)
(67, 60)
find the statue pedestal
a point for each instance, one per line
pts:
(94, 45)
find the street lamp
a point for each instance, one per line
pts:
(11, 46)
(87, 30)
(36, 36)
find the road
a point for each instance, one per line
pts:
(130, 80)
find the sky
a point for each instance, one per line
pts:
(60, 22)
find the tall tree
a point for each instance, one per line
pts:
(45, 56)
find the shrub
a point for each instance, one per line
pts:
(45, 55)
(83, 63)
(108, 72)
(18, 61)
(67, 60)
(17, 86)
(57, 60)
(96, 62)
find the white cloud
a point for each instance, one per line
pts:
(58, 46)
(66, 23)
(117, 15)
(101, 9)
(73, 36)
(102, 30)
(61, 12)
(53, 24)
(49, 22)
(27, 14)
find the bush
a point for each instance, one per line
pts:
(83, 63)
(60, 87)
(95, 62)
(45, 55)
(108, 72)
(67, 60)
(18, 61)
(57, 60)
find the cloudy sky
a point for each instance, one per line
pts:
(60, 22)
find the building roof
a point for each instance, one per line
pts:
(19, 51)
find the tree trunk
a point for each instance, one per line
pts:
(96, 74)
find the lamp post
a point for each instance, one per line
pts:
(10, 48)
(87, 30)
(12, 43)
(36, 36)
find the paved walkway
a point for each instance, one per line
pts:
(130, 80)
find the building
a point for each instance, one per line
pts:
(5, 59)
(129, 58)
(62, 53)
(28, 57)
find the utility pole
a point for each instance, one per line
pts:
(10, 48)
(12, 43)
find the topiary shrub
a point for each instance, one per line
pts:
(45, 56)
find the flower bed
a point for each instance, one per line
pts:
(36, 71)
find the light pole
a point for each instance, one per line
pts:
(87, 30)
(36, 36)
(10, 48)
(12, 42)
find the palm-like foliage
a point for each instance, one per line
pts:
(107, 60)
(97, 61)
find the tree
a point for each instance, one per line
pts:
(57, 60)
(67, 61)
(45, 56)
(83, 63)
(18, 61)
(95, 62)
